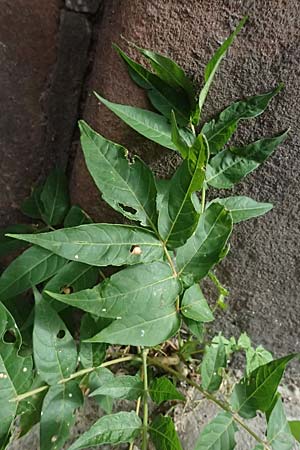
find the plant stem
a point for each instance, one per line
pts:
(203, 198)
(145, 417)
(75, 375)
(212, 398)
(170, 261)
(137, 411)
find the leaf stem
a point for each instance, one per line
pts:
(212, 398)
(203, 198)
(145, 417)
(75, 375)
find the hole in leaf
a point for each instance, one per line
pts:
(66, 290)
(61, 334)
(127, 208)
(9, 337)
(136, 250)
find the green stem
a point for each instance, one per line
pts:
(203, 198)
(75, 375)
(145, 416)
(212, 398)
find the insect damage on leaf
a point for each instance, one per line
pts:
(151, 311)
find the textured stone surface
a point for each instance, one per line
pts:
(263, 269)
(85, 6)
(66, 85)
(27, 55)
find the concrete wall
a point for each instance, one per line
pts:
(263, 269)
(40, 90)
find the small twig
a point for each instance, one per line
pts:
(212, 398)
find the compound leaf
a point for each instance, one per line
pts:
(55, 198)
(214, 360)
(218, 434)
(194, 305)
(243, 208)
(231, 165)
(149, 328)
(131, 290)
(54, 349)
(111, 429)
(128, 187)
(122, 387)
(219, 131)
(100, 244)
(169, 71)
(256, 391)
(295, 428)
(163, 434)
(149, 124)
(163, 97)
(76, 216)
(57, 417)
(279, 434)
(202, 250)
(178, 217)
(98, 378)
(72, 277)
(30, 268)
(162, 389)
(214, 63)
(15, 372)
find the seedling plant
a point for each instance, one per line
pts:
(150, 315)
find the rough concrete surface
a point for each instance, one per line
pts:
(263, 268)
(27, 55)
(84, 6)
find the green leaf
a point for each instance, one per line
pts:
(112, 429)
(163, 434)
(33, 408)
(162, 389)
(194, 305)
(177, 139)
(214, 359)
(128, 187)
(256, 391)
(149, 124)
(219, 131)
(148, 329)
(71, 278)
(170, 72)
(202, 250)
(243, 208)
(92, 355)
(231, 165)
(178, 217)
(9, 245)
(76, 216)
(55, 198)
(295, 429)
(121, 294)
(255, 357)
(58, 416)
(15, 372)
(218, 434)
(32, 206)
(214, 63)
(279, 434)
(32, 267)
(100, 244)
(196, 328)
(122, 387)
(98, 378)
(54, 349)
(163, 97)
